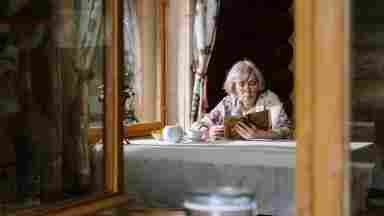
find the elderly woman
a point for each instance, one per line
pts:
(246, 91)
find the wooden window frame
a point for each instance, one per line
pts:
(322, 98)
(322, 107)
(144, 129)
(112, 130)
(321, 89)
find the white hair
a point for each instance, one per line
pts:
(242, 70)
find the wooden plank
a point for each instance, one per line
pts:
(321, 98)
(329, 108)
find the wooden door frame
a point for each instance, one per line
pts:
(321, 89)
(321, 109)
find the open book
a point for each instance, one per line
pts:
(261, 120)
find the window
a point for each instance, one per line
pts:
(53, 56)
(320, 137)
(145, 66)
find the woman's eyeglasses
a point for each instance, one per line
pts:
(250, 83)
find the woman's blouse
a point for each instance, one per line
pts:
(231, 106)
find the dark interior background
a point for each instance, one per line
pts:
(367, 60)
(258, 30)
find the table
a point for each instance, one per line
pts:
(160, 175)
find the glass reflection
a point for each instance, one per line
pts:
(51, 65)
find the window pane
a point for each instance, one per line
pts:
(141, 61)
(51, 108)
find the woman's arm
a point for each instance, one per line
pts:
(212, 125)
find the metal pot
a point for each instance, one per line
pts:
(223, 201)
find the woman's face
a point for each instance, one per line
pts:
(247, 87)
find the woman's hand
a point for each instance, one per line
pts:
(249, 131)
(216, 131)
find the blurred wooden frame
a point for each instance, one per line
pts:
(321, 89)
(113, 193)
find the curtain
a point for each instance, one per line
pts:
(204, 30)
(132, 88)
(34, 146)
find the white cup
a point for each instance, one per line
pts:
(172, 133)
(193, 134)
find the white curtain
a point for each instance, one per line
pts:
(204, 29)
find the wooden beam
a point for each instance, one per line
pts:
(321, 81)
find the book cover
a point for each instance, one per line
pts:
(261, 120)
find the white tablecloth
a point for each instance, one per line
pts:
(160, 175)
